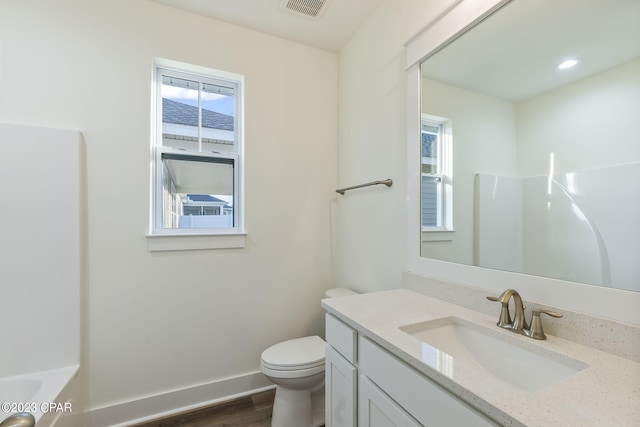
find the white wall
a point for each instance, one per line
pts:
(579, 125)
(157, 322)
(372, 145)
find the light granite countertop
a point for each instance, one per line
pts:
(605, 393)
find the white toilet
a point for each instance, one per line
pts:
(297, 368)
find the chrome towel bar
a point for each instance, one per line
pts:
(388, 182)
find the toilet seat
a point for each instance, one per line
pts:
(292, 368)
(291, 374)
(300, 354)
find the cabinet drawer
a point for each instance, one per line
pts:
(341, 337)
(427, 402)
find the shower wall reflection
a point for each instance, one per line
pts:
(569, 226)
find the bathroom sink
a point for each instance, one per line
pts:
(527, 366)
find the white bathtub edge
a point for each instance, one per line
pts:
(53, 382)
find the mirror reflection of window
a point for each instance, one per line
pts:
(431, 133)
(431, 180)
(435, 174)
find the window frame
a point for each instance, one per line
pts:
(444, 160)
(160, 238)
(437, 177)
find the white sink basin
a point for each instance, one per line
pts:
(523, 365)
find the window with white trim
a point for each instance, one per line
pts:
(196, 184)
(436, 167)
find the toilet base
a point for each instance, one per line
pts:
(317, 407)
(298, 408)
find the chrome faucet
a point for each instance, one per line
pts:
(519, 323)
(21, 419)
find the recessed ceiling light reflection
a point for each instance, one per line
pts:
(569, 63)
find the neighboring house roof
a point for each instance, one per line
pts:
(183, 114)
(427, 142)
(204, 198)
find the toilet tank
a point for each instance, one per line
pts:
(339, 292)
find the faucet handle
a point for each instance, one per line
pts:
(505, 317)
(536, 331)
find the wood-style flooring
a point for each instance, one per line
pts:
(250, 411)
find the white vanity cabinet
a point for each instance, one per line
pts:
(341, 375)
(389, 392)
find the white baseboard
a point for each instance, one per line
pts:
(162, 405)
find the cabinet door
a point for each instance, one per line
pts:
(340, 390)
(376, 409)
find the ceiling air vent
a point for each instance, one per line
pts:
(307, 8)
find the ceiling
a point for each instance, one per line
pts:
(513, 55)
(339, 21)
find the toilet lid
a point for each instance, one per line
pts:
(299, 353)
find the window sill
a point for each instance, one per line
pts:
(437, 235)
(191, 242)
